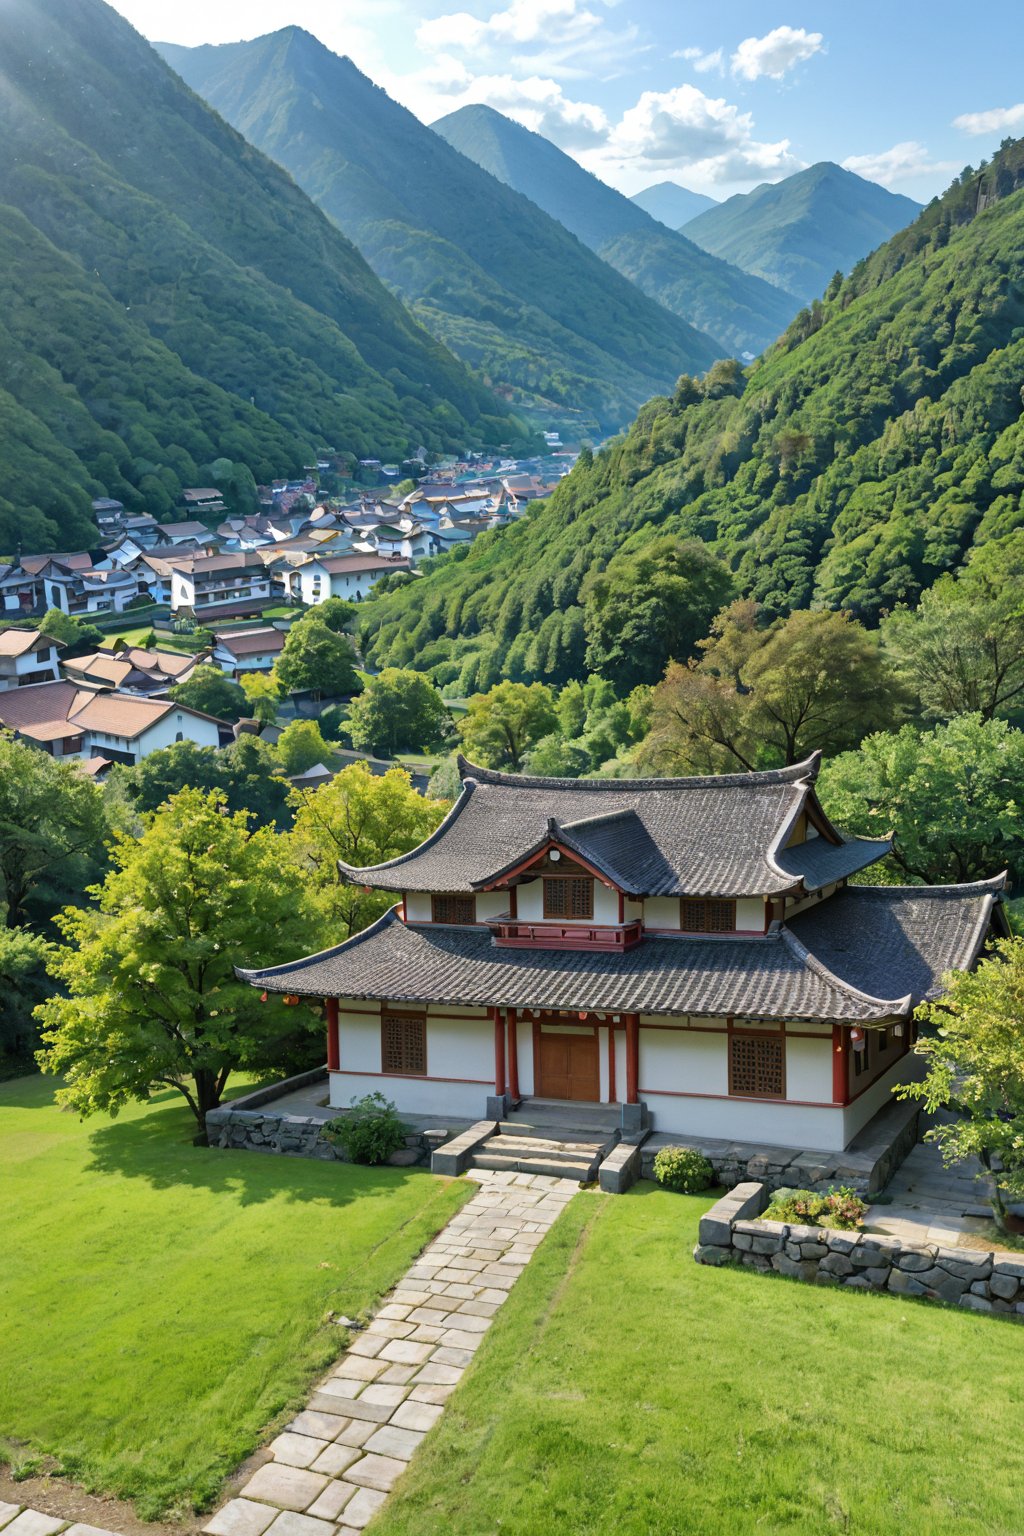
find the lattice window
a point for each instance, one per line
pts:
(757, 1066)
(707, 916)
(453, 909)
(403, 1044)
(568, 896)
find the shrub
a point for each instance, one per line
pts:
(683, 1169)
(370, 1131)
(841, 1208)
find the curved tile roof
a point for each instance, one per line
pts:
(715, 835)
(768, 978)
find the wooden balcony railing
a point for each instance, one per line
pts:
(513, 933)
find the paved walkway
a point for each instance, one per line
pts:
(335, 1463)
(15, 1520)
(932, 1203)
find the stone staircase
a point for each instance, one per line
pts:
(536, 1140)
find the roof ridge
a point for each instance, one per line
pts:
(602, 819)
(994, 884)
(795, 773)
(384, 921)
(885, 1006)
(353, 870)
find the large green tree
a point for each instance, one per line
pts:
(316, 660)
(768, 695)
(212, 693)
(974, 1055)
(397, 710)
(75, 635)
(361, 818)
(952, 795)
(500, 726)
(52, 827)
(247, 773)
(652, 607)
(149, 998)
(301, 745)
(23, 957)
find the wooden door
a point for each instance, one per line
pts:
(566, 1066)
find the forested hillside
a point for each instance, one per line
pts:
(490, 274)
(862, 457)
(798, 232)
(169, 296)
(744, 313)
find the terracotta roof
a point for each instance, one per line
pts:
(720, 835)
(19, 642)
(48, 711)
(336, 564)
(41, 711)
(771, 977)
(95, 767)
(252, 642)
(100, 664)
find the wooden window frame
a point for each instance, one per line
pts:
(400, 1016)
(758, 1037)
(438, 897)
(569, 916)
(710, 911)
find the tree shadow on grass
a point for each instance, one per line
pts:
(157, 1147)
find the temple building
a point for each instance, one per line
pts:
(689, 949)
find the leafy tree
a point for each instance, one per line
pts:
(336, 612)
(361, 818)
(500, 726)
(23, 957)
(952, 795)
(397, 709)
(301, 746)
(444, 782)
(974, 1056)
(962, 649)
(571, 710)
(245, 773)
(52, 826)
(555, 758)
(212, 693)
(651, 607)
(316, 660)
(759, 696)
(263, 695)
(77, 637)
(152, 1000)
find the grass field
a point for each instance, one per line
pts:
(161, 1305)
(626, 1391)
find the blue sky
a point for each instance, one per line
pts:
(718, 96)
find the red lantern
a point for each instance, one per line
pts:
(263, 997)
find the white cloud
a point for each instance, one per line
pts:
(702, 62)
(708, 136)
(899, 163)
(996, 120)
(775, 53)
(521, 22)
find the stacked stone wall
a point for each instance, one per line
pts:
(977, 1280)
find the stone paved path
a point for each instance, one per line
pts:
(15, 1520)
(335, 1463)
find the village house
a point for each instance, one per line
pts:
(133, 668)
(70, 721)
(86, 590)
(207, 587)
(27, 656)
(237, 651)
(22, 584)
(350, 576)
(689, 950)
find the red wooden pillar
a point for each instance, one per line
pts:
(513, 1053)
(840, 1065)
(499, 1053)
(612, 1097)
(632, 1058)
(333, 1053)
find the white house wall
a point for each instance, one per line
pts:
(856, 1115)
(460, 1062)
(165, 732)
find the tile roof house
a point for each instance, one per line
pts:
(248, 650)
(352, 576)
(133, 668)
(688, 949)
(208, 587)
(68, 720)
(27, 656)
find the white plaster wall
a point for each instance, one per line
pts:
(414, 1095)
(602, 1063)
(685, 1059)
(606, 904)
(780, 1124)
(531, 901)
(524, 1041)
(750, 914)
(793, 907)
(462, 1048)
(192, 727)
(661, 912)
(857, 1114)
(633, 909)
(417, 906)
(809, 1069)
(491, 904)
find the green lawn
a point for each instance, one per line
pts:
(162, 1305)
(626, 1391)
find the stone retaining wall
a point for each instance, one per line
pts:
(981, 1281)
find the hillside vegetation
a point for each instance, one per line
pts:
(743, 313)
(863, 456)
(169, 296)
(799, 232)
(489, 273)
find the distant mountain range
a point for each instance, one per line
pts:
(744, 313)
(168, 296)
(490, 274)
(798, 232)
(866, 454)
(671, 204)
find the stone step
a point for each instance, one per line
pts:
(583, 1134)
(583, 1172)
(538, 1146)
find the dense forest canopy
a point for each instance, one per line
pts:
(170, 297)
(491, 275)
(865, 454)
